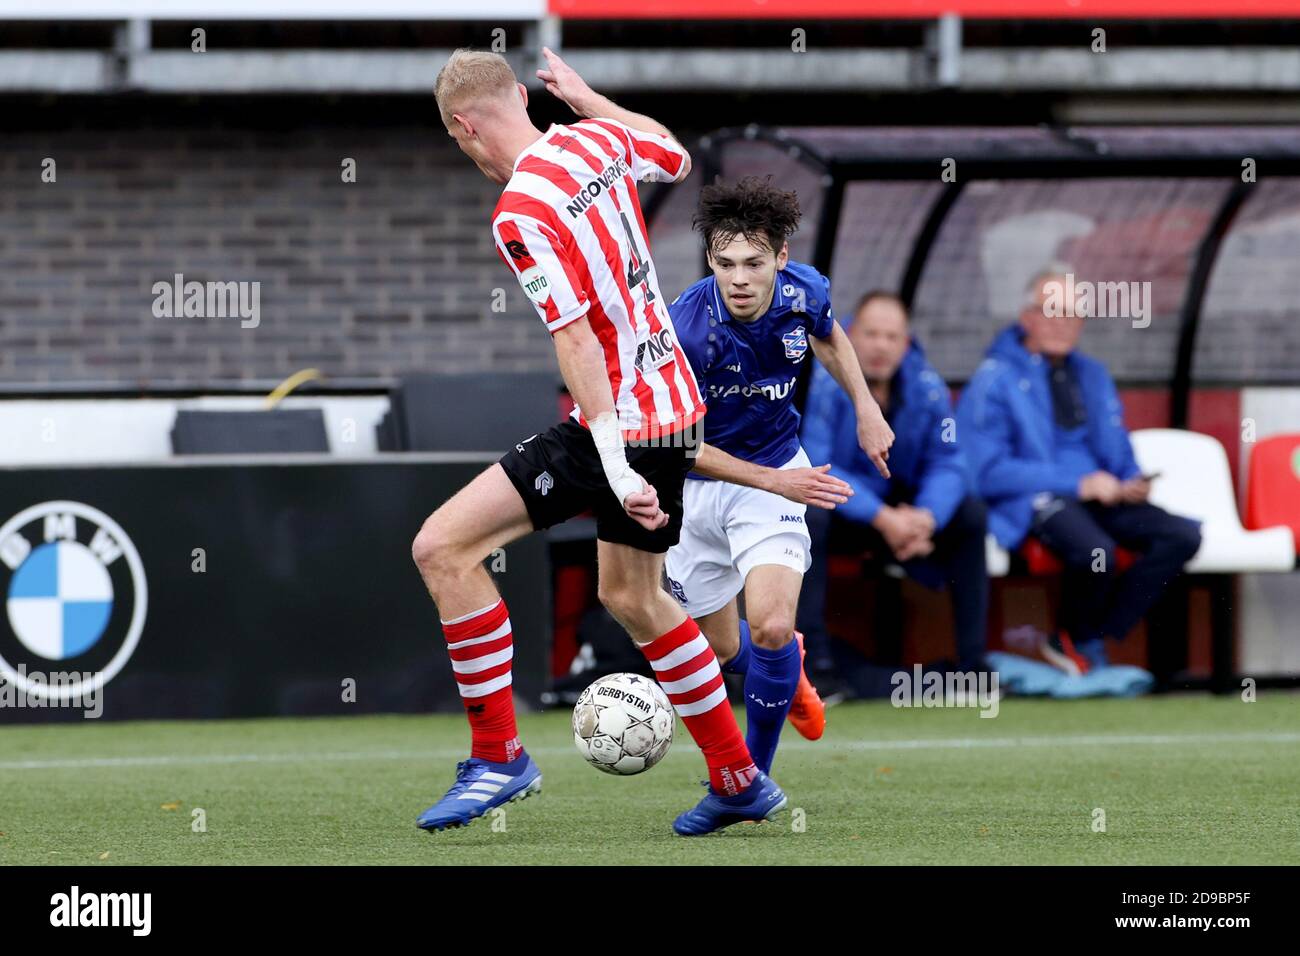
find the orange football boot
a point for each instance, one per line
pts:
(807, 712)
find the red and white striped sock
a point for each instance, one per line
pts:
(689, 674)
(481, 650)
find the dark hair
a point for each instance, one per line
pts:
(873, 295)
(751, 207)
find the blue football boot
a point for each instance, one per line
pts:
(482, 786)
(762, 800)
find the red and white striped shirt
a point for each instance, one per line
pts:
(569, 225)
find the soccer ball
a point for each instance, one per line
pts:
(623, 724)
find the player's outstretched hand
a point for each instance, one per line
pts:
(564, 82)
(812, 486)
(875, 436)
(643, 507)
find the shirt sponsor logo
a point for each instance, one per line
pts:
(773, 393)
(588, 194)
(656, 351)
(533, 279)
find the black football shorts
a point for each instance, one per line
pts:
(559, 475)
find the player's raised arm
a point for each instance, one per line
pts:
(564, 82)
(874, 434)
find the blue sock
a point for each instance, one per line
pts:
(770, 684)
(740, 663)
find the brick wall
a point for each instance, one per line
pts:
(393, 273)
(396, 272)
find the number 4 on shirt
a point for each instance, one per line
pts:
(638, 269)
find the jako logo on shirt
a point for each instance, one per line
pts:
(75, 592)
(796, 344)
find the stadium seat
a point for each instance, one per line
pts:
(1195, 482)
(996, 558)
(1041, 561)
(1273, 488)
(479, 412)
(275, 431)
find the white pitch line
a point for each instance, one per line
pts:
(936, 743)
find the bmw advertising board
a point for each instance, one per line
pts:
(237, 588)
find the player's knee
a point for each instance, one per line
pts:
(424, 549)
(772, 631)
(619, 599)
(432, 550)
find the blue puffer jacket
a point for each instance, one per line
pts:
(1006, 425)
(925, 458)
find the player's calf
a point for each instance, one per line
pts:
(771, 682)
(688, 672)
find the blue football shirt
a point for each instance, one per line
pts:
(747, 370)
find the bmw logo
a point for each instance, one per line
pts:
(75, 597)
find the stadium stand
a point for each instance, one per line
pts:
(1167, 207)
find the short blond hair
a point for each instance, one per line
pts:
(469, 77)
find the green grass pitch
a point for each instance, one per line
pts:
(1181, 780)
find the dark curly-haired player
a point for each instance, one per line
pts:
(747, 330)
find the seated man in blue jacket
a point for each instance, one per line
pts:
(1043, 428)
(925, 516)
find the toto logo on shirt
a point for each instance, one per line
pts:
(75, 597)
(533, 279)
